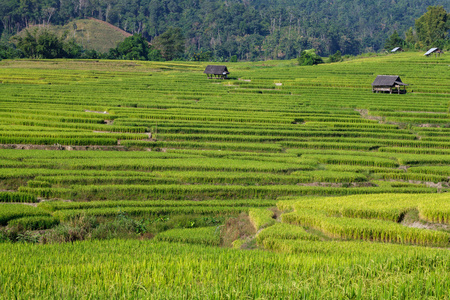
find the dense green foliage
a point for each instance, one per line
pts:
(394, 41)
(248, 29)
(309, 58)
(46, 45)
(135, 48)
(433, 27)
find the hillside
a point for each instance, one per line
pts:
(89, 33)
(252, 30)
(146, 180)
(310, 130)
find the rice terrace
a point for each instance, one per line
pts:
(140, 179)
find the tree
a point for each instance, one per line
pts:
(49, 45)
(44, 44)
(433, 26)
(394, 41)
(170, 43)
(309, 58)
(336, 57)
(201, 56)
(72, 49)
(28, 43)
(410, 36)
(134, 48)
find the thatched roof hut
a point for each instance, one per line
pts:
(388, 83)
(220, 72)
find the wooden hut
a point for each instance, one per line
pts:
(436, 52)
(388, 84)
(397, 49)
(218, 72)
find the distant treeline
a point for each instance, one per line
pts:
(47, 45)
(249, 29)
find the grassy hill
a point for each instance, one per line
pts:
(91, 33)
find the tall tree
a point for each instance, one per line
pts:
(309, 58)
(134, 48)
(45, 44)
(394, 41)
(171, 43)
(433, 26)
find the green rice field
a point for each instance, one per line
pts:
(124, 179)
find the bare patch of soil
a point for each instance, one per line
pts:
(150, 139)
(276, 213)
(365, 115)
(427, 125)
(24, 203)
(332, 184)
(97, 112)
(437, 185)
(60, 147)
(431, 226)
(235, 228)
(412, 219)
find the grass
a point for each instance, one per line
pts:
(142, 269)
(92, 34)
(175, 155)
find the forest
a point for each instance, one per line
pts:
(249, 29)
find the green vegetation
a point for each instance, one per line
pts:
(261, 218)
(158, 270)
(309, 58)
(229, 31)
(94, 36)
(144, 173)
(432, 28)
(46, 44)
(285, 231)
(9, 212)
(204, 235)
(34, 223)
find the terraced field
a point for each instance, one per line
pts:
(329, 174)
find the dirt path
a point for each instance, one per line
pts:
(97, 112)
(61, 147)
(365, 115)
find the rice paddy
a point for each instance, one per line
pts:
(346, 189)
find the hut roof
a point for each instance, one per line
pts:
(432, 50)
(387, 80)
(216, 70)
(396, 49)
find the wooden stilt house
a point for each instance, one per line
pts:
(436, 52)
(218, 72)
(397, 49)
(388, 84)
